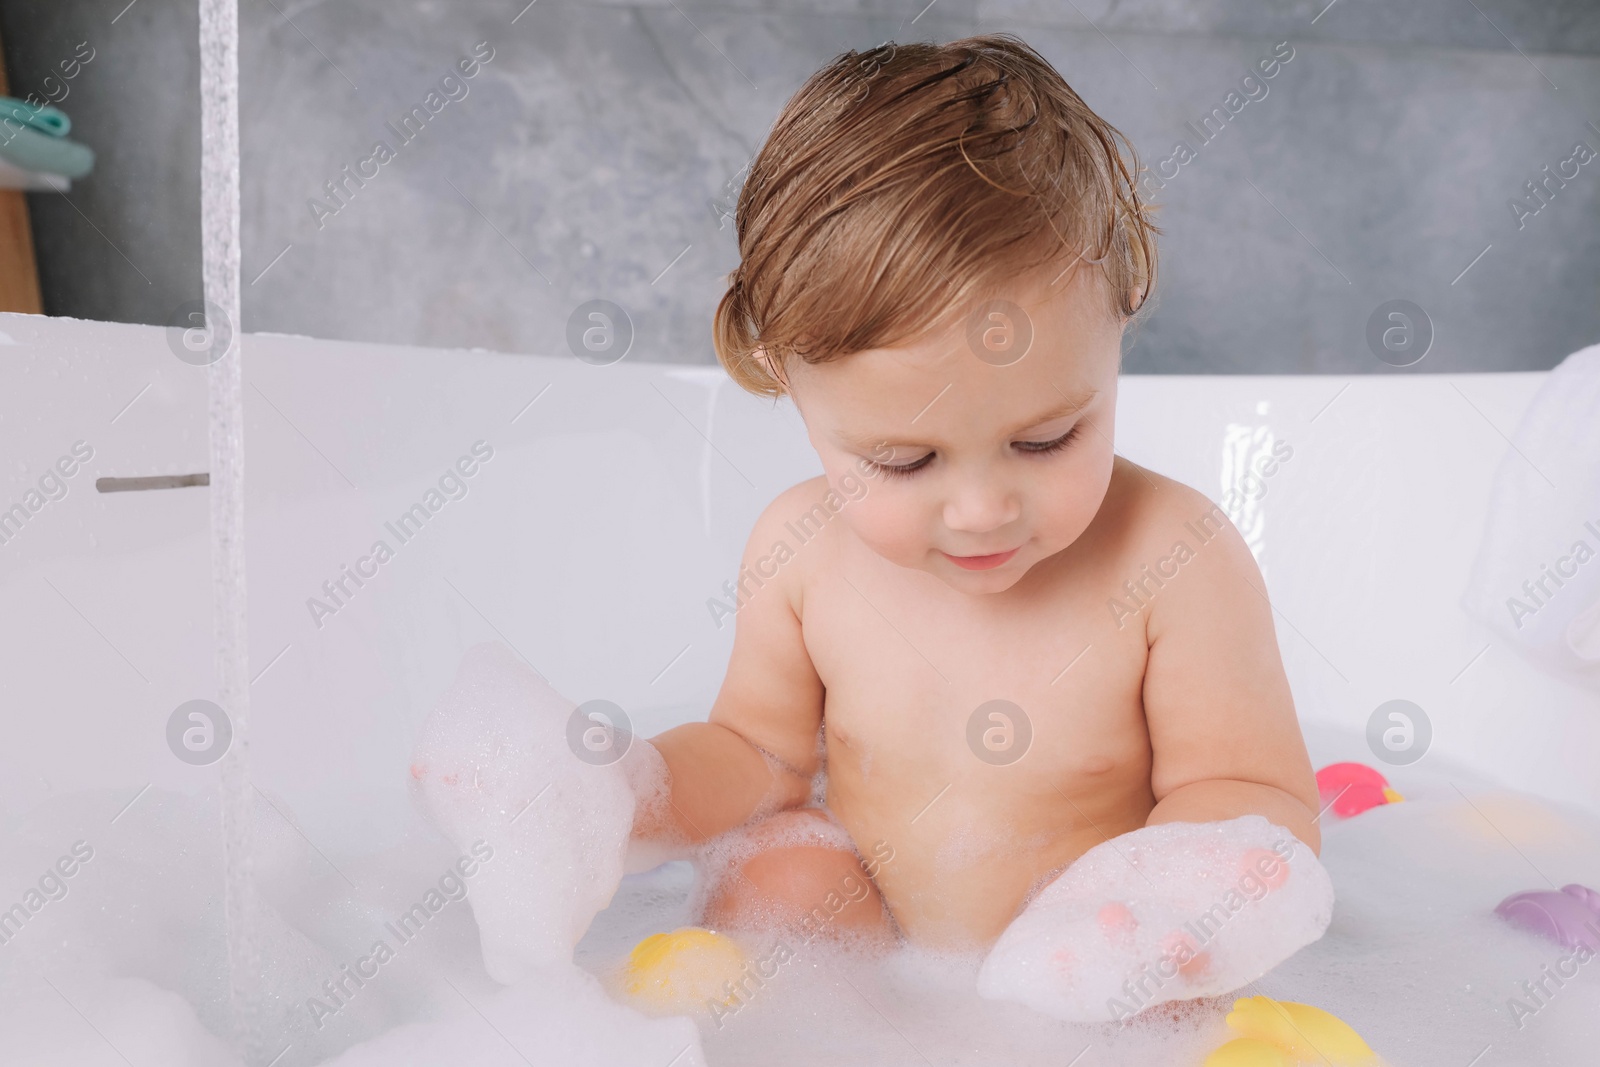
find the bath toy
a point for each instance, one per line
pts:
(1570, 917)
(684, 970)
(1352, 788)
(1281, 1033)
(1248, 1052)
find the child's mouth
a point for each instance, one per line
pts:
(981, 563)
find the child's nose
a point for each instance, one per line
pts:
(981, 504)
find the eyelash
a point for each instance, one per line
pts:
(1040, 448)
(1044, 448)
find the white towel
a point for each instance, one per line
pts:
(1536, 580)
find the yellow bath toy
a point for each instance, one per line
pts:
(1248, 1052)
(1281, 1033)
(683, 970)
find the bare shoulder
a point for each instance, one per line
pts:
(790, 536)
(1151, 511)
(800, 514)
(1184, 544)
(794, 500)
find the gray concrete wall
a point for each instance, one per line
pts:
(586, 159)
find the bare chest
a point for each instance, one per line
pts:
(1011, 698)
(986, 744)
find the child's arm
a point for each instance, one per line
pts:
(1223, 732)
(770, 701)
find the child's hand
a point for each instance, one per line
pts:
(1166, 912)
(494, 763)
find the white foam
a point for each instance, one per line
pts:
(1168, 912)
(46, 1027)
(1415, 960)
(494, 763)
(557, 1015)
(650, 781)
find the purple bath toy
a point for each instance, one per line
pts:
(1570, 917)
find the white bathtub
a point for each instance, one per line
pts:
(613, 508)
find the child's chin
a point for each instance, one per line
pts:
(997, 580)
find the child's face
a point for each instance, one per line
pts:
(956, 443)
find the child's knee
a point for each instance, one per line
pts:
(804, 878)
(796, 882)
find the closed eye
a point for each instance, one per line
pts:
(1042, 448)
(903, 470)
(1032, 448)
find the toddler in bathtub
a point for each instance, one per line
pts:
(1043, 681)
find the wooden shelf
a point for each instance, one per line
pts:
(19, 270)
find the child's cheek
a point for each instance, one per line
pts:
(888, 527)
(1074, 497)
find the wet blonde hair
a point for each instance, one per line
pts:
(901, 183)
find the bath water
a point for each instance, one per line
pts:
(1414, 958)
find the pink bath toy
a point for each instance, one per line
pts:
(1571, 917)
(1352, 788)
